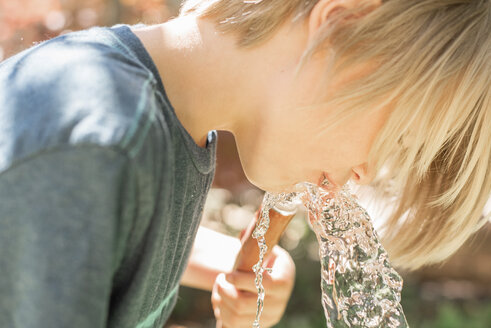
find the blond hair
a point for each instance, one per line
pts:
(434, 67)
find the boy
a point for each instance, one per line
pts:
(107, 153)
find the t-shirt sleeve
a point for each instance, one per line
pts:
(61, 236)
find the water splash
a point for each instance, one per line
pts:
(359, 286)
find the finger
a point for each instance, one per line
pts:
(271, 258)
(217, 313)
(233, 315)
(282, 276)
(269, 319)
(246, 306)
(242, 302)
(277, 285)
(281, 263)
(245, 281)
(230, 317)
(216, 300)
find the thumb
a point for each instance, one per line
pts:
(245, 281)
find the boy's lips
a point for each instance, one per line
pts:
(326, 178)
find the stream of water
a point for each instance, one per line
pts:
(359, 286)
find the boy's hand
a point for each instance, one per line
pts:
(234, 296)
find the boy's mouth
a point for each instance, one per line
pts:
(326, 182)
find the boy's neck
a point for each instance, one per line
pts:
(212, 84)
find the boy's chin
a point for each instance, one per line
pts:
(273, 187)
(274, 183)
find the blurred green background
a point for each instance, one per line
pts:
(455, 294)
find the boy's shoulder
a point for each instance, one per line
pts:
(82, 87)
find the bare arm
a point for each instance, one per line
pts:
(212, 253)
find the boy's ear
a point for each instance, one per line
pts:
(325, 8)
(321, 12)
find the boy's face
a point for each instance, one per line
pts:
(291, 146)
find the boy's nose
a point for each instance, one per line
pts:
(361, 174)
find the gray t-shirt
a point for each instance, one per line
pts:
(101, 187)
